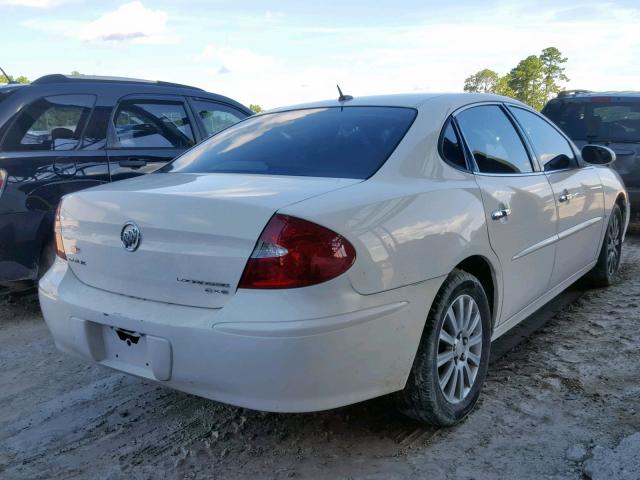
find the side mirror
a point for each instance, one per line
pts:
(598, 155)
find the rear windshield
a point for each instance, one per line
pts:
(601, 119)
(339, 142)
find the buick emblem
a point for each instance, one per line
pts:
(130, 236)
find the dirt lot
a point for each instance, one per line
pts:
(562, 404)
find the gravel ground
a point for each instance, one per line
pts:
(561, 404)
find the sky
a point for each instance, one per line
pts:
(275, 53)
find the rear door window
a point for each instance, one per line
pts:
(451, 147)
(339, 142)
(493, 140)
(152, 124)
(215, 116)
(50, 123)
(552, 149)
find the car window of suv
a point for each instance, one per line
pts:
(215, 116)
(50, 123)
(552, 149)
(95, 134)
(493, 140)
(451, 147)
(152, 124)
(600, 119)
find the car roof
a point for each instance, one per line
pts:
(587, 94)
(59, 84)
(59, 78)
(410, 100)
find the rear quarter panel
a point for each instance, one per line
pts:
(415, 219)
(404, 233)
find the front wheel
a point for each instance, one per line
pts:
(453, 356)
(604, 273)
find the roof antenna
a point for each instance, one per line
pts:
(10, 82)
(343, 97)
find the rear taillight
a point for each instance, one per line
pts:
(292, 253)
(3, 180)
(58, 234)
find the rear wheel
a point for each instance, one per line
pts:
(453, 356)
(603, 274)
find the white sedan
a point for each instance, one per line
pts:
(320, 255)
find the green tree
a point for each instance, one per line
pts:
(10, 78)
(503, 87)
(75, 73)
(534, 80)
(553, 71)
(527, 81)
(484, 81)
(256, 108)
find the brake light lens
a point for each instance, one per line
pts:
(3, 179)
(58, 235)
(293, 253)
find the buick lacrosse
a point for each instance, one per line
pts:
(320, 255)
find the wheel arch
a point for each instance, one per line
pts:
(614, 194)
(621, 201)
(481, 268)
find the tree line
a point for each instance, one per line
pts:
(24, 79)
(535, 80)
(11, 78)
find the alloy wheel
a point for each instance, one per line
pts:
(459, 348)
(614, 244)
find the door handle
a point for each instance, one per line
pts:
(566, 196)
(500, 213)
(133, 162)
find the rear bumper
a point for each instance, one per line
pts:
(257, 352)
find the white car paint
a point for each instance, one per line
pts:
(176, 213)
(348, 339)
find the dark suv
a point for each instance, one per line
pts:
(63, 133)
(606, 118)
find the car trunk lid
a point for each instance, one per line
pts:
(197, 232)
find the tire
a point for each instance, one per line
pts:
(605, 271)
(423, 399)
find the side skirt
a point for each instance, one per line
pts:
(507, 325)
